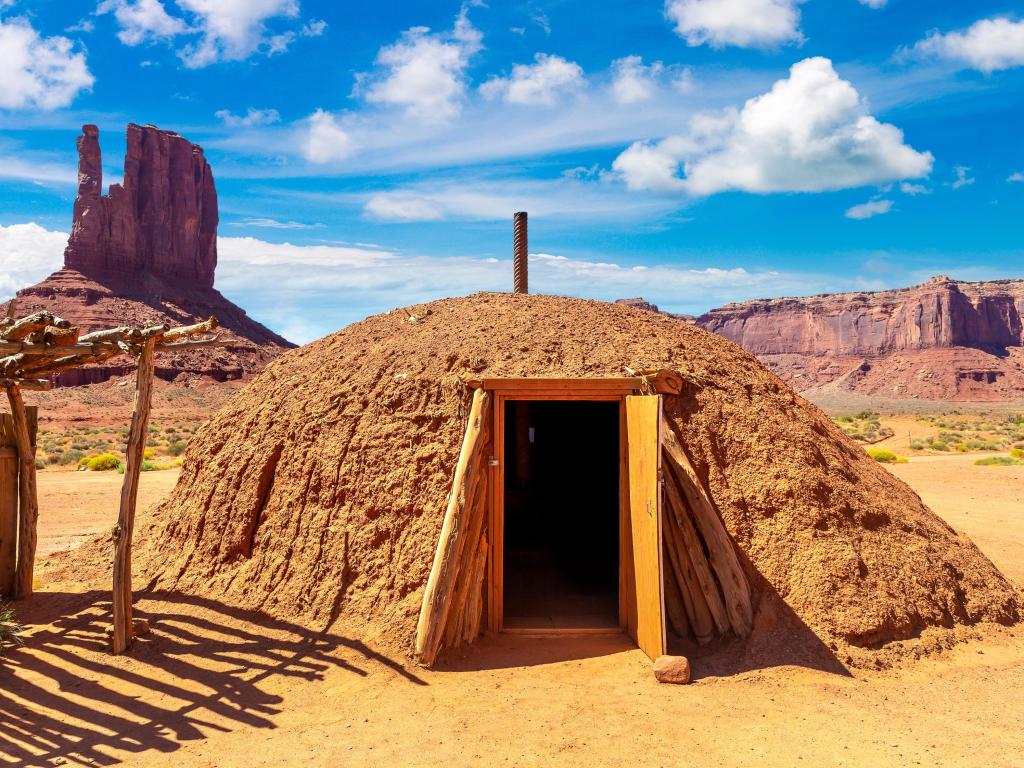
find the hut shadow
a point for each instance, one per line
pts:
(204, 668)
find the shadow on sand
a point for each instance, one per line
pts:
(203, 668)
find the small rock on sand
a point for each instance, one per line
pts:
(672, 669)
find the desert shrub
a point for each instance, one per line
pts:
(54, 457)
(147, 453)
(886, 432)
(40, 463)
(1017, 453)
(9, 626)
(72, 456)
(81, 445)
(177, 447)
(938, 445)
(882, 455)
(917, 445)
(997, 461)
(960, 448)
(103, 462)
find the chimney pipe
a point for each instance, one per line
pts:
(520, 251)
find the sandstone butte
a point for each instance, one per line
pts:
(943, 340)
(146, 253)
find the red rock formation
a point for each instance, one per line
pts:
(146, 254)
(941, 340)
(162, 220)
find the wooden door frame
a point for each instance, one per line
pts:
(562, 390)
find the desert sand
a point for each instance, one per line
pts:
(211, 686)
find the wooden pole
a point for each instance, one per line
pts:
(28, 503)
(134, 456)
(437, 596)
(8, 507)
(721, 550)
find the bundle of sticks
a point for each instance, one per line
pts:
(41, 345)
(706, 591)
(453, 602)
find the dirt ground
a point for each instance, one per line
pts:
(211, 686)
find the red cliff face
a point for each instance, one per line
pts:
(145, 254)
(976, 328)
(161, 221)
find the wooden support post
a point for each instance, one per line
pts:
(437, 596)
(28, 503)
(134, 456)
(8, 506)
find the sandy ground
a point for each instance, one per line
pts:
(212, 687)
(73, 506)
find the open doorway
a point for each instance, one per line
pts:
(561, 514)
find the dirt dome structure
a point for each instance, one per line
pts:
(324, 491)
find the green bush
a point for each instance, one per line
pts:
(938, 445)
(884, 456)
(103, 463)
(997, 461)
(917, 445)
(9, 626)
(1017, 453)
(177, 447)
(71, 456)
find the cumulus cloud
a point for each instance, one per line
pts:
(30, 253)
(545, 81)
(743, 23)
(811, 132)
(324, 140)
(914, 189)
(987, 45)
(252, 117)
(869, 209)
(38, 72)
(633, 82)
(423, 73)
(209, 31)
(142, 21)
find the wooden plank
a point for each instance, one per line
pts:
(721, 550)
(496, 587)
(643, 428)
(24, 423)
(8, 514)
(437, 596)
(620, 385)
(135, 451)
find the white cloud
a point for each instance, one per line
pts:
(38, 72)
(811, 132)
(632, 82)
(744, 23)
(325, 141)
(251, 118)
(962, 177)
(142, 21)
(209, 31)
(987, 45)
(28, 253)
(1016, 178)
(264, 223)
(914, 189)
(424, 72)
(874, 3)
(545, 81)
(869, 209)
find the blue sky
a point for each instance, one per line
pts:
(370, 154)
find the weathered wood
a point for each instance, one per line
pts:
(475, 607)
(122, 333)
(184, 331)
(121, 637)
(721, 550)
(464, 572)
(675, 609)
(695, 551)
(58, 337)
(34, 385)
(28, 505)
(197, 343)
(26, 326)
(8, 507)
(437, 594)
(694, 602)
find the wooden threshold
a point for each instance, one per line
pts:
(560, 631)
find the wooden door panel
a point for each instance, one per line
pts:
(643, 445)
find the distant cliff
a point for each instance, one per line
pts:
(944, 339)
(145, 254)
